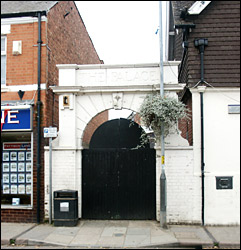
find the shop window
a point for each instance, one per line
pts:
(16, 171)
(3, 60)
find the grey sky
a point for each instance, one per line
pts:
(123, 31)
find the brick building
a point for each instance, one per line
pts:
(35, 36)
(205, 37)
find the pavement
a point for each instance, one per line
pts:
(120, 234)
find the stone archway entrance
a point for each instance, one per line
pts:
(118, 179)
(86, 91)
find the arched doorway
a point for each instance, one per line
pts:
(118, 179)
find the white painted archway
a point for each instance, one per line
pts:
(87, 90)
(91, 89)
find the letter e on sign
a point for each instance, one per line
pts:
(10, 116)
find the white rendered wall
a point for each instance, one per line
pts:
(221, 153)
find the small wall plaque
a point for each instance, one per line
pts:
(234, 109)
(224, 182)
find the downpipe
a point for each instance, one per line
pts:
(201, 44)
(202, 155)
(39, 118)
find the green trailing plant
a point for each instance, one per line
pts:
(156, 110)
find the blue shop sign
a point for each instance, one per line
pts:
(16, 119)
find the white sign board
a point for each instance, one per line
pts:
(50, 132)
(64, 206)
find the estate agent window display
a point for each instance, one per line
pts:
(16, 173)
(17, 148)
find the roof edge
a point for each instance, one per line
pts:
(23, 14)
(32, 13)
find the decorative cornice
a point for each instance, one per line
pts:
(109, 89)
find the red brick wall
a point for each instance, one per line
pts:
(22, 69)
(69, 43)
(185, 125)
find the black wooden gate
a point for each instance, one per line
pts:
(117, 182)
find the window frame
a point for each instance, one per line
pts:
(4, 53)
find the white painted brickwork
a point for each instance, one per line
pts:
(183, 188)
(63, 172)
(183, 192)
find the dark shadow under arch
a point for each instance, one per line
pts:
(119, 133)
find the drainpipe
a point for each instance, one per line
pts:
(39, 118)
(200, 44)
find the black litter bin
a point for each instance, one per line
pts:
(66, 208)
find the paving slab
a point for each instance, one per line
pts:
(111, 241)
(39, 232)
(225, 236)
(84, 240)
(13, 230)
(143, 224)
(113, 231)
(59, 239)
(163, 239)
(191, 235)
(90, 231)
(138, 231)
(69, 231)
(137, 240)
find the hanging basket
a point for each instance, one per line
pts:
(156, 111)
